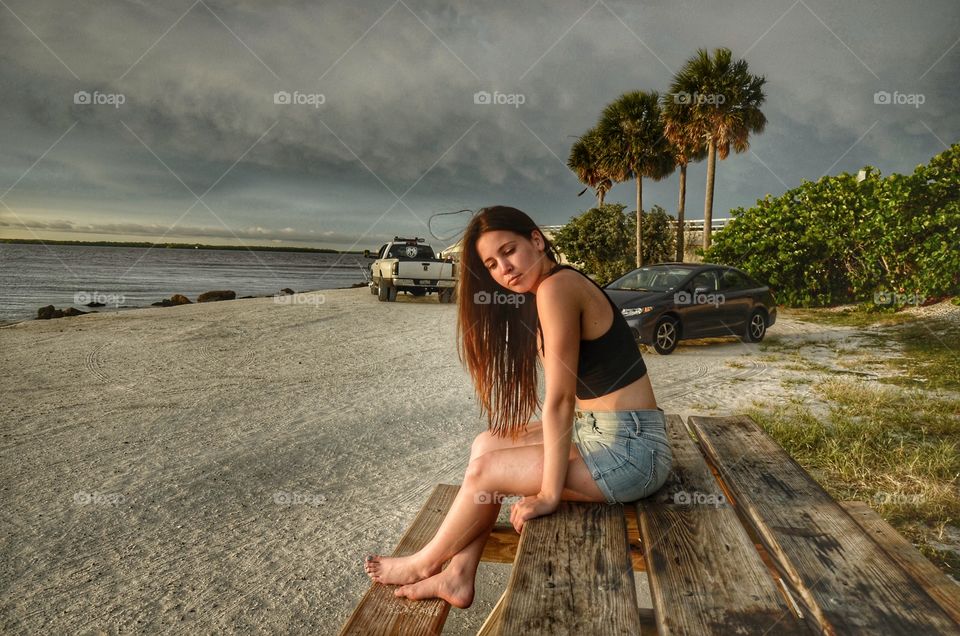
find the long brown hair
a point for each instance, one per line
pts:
(498, 342)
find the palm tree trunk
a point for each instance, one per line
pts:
(708, 199)
(600, 195)
(680, 209)
(639, 222)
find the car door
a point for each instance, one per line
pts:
(737, 301)
(700, 312)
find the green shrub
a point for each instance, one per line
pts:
(887, 241)
(603, 242)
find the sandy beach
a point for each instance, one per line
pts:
(224, 467)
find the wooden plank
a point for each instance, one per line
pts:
(379, 611)
(941, 588)
(848, 582)
(706, 576)
(501, 547)
(690, 476)
(573, 575)
(633, 539)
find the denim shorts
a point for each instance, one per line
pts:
(627, 452)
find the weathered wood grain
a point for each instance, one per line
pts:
(379, 611)
(941, 588)
(573, 575)
(844, 577)
(706, 576)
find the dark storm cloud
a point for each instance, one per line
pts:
(198, 82)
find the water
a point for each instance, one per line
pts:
(32, 276)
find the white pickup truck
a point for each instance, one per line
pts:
(410, 265)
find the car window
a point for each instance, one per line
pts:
(705, 280)
(732, 280)
(411, 252)
(651, 279)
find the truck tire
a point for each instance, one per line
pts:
(446, 295)
(382, 292)
(391, 294)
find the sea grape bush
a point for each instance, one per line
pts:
(839, 240)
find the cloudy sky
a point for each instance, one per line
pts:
(127, 120)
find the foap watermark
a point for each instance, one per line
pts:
(96, 98)
(683, 97)
(300, 299)
(98, 299)
(83, 498)
(284, 498)
(296, 98)
(897, 498)
(899, 99)
(496, 97)
(698, 298)
(498, 298)
(684, 498)
(895, 299)
(486, 497)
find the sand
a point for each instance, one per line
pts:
(224, 467)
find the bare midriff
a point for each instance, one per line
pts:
(636, 396)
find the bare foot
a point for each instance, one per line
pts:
(397, 570)
(452, 586)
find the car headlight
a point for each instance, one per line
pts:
(635, 311)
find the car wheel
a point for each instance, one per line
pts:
(382, 292)
(391, 294)
(756, 327)
(665, 335)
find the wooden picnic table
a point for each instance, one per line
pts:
(740, 540)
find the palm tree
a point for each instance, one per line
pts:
(720, 101)
(688, 145)
(584, 161)
(634, 145)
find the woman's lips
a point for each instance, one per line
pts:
(514, 279)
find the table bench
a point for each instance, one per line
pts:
(740, 540)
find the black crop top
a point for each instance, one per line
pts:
(611, 361)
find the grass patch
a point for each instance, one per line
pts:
(853, 317)
(897, 450)
(933, 347)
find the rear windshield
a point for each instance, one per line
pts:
(651, 279)
(410, 252)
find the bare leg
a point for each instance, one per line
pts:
(469, 516)
(455, 583)
(514, 471)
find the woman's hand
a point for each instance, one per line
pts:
(530, 508)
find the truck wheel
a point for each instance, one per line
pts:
(444, 296)
(391, 294)
(382, 292)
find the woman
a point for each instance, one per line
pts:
(601, 435)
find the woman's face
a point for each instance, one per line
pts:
(513, 260)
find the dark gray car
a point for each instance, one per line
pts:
(669, 302)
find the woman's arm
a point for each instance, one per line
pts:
(559, 312)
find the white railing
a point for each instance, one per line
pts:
(696, 225)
